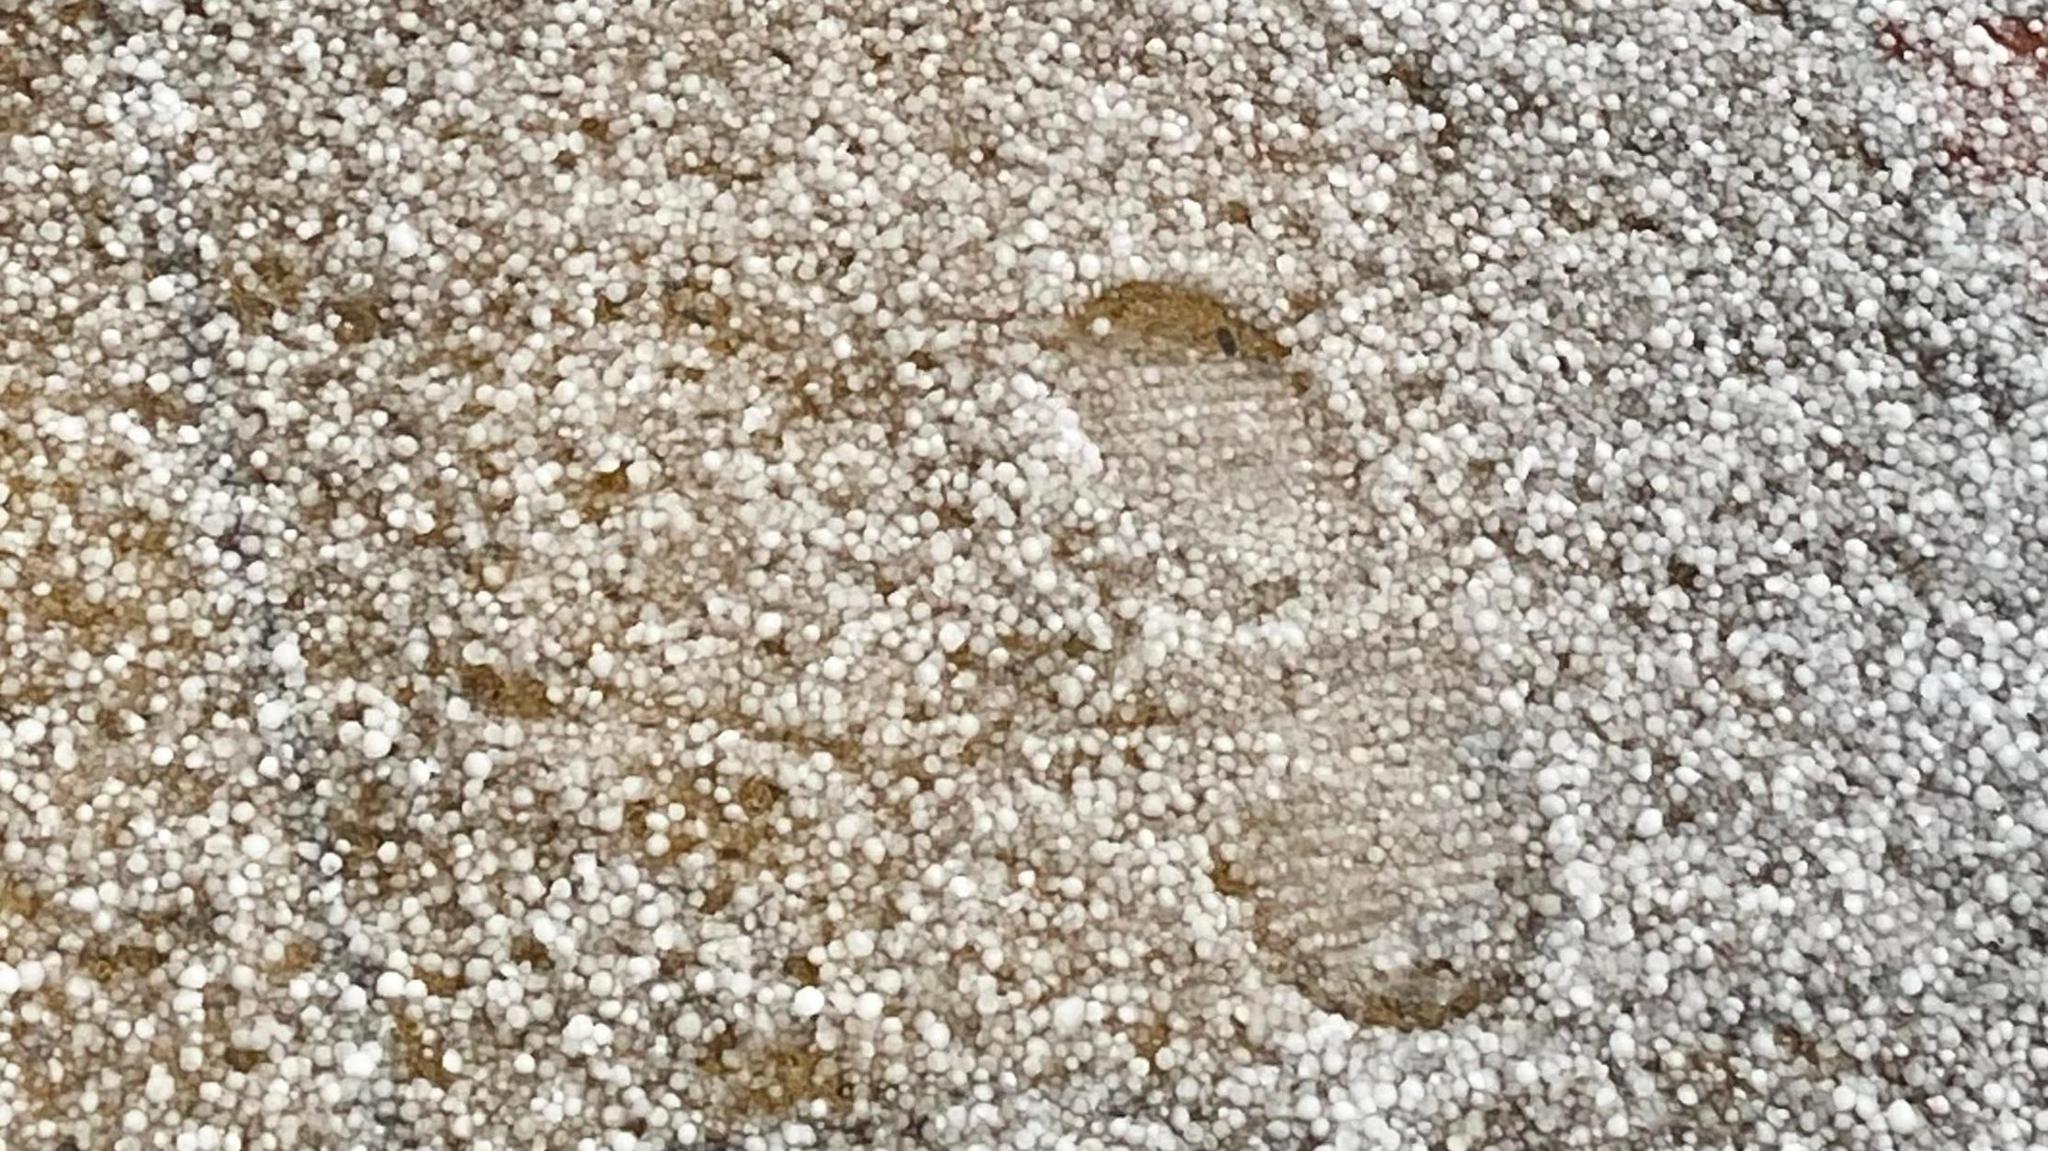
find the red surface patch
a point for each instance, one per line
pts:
(1991, 112)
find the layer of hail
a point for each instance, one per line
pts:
(1082, 574)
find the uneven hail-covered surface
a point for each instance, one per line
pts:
(1077, 574)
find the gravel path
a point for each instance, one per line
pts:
(1084, 574)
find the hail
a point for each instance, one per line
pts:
(1080, 574)
(229, 527)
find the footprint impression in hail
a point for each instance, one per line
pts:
(1321, 702)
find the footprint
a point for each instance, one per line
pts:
(1366, 839)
